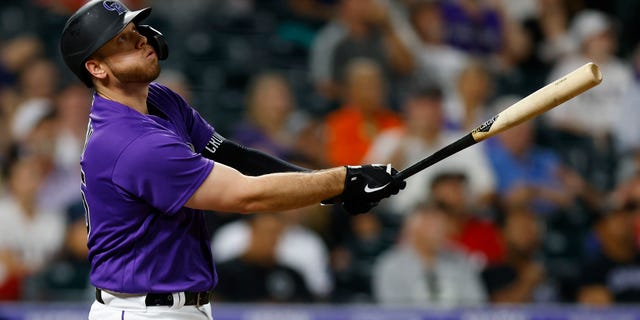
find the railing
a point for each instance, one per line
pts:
(31, 311)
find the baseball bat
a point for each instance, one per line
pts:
(542, 100)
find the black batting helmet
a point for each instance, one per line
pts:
(93, 25)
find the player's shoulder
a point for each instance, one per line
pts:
(146, 149)
(158, 91)
(169, 101)
(115, 136)
(155, 87)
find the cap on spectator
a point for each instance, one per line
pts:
(589, 23)
(28, 116)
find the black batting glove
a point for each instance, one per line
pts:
(366, 185)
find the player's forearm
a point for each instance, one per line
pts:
(360, 188)
(283, 191)
(227, 190)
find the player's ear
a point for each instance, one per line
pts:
(95, 68)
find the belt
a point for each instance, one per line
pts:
(166, 299)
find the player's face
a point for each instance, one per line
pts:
(129, 57)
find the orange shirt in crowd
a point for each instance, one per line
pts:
(349, 135)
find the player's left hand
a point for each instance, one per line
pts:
(366, 185)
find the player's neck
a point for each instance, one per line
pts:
(134, 97)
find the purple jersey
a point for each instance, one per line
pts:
(138, 171)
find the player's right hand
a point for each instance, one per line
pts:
(366, 185)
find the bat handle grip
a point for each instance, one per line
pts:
(406, 173)
(460, 144)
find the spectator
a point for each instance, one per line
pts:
(66, 276)
(37, 87)
(514, 68)
(423, 133)
(15, 55)
(374, 38)
(586, 123)
(474, 26)
(59, 190)
(520, 10)
(435, 58)
(627, 13)
(269, 123)
(258, 275)
(296, 248)
(478, 236)
(60, 7)
(592, 112)
(424, 270)
(311, 10)
(628, 191)
(30, 234)
(71, 105)
(520, 278)
(626, 133)
(552, 39)
(354, 259)
(530, 176)
(351, 129)
(465, 109)
(176, 81)
(361, 28)
(613, 275)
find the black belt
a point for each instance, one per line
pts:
(166, 299)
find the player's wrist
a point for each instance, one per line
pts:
(340, 184)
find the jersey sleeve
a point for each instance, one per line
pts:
(199, 129)
(162, 170)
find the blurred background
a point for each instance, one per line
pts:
(547, 213)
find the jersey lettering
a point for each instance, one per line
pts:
(87, 218)
(214, 143)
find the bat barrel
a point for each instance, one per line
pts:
(547, 97)
(542, 100)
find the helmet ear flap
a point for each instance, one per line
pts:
(156, 40)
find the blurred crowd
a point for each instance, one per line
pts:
(547, 212)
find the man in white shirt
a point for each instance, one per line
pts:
(424, 133)
(424, 270)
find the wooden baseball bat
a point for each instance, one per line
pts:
(545, 98)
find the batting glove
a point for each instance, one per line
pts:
(366, 185)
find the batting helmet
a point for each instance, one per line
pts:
(93, 25)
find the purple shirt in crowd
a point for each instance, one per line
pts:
(138, 171)
(479, 34)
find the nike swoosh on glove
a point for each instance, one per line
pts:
(366, 185)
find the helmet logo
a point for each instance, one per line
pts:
(114, 6)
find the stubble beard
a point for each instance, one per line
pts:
(137, 74)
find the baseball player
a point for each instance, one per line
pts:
(151, 164)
